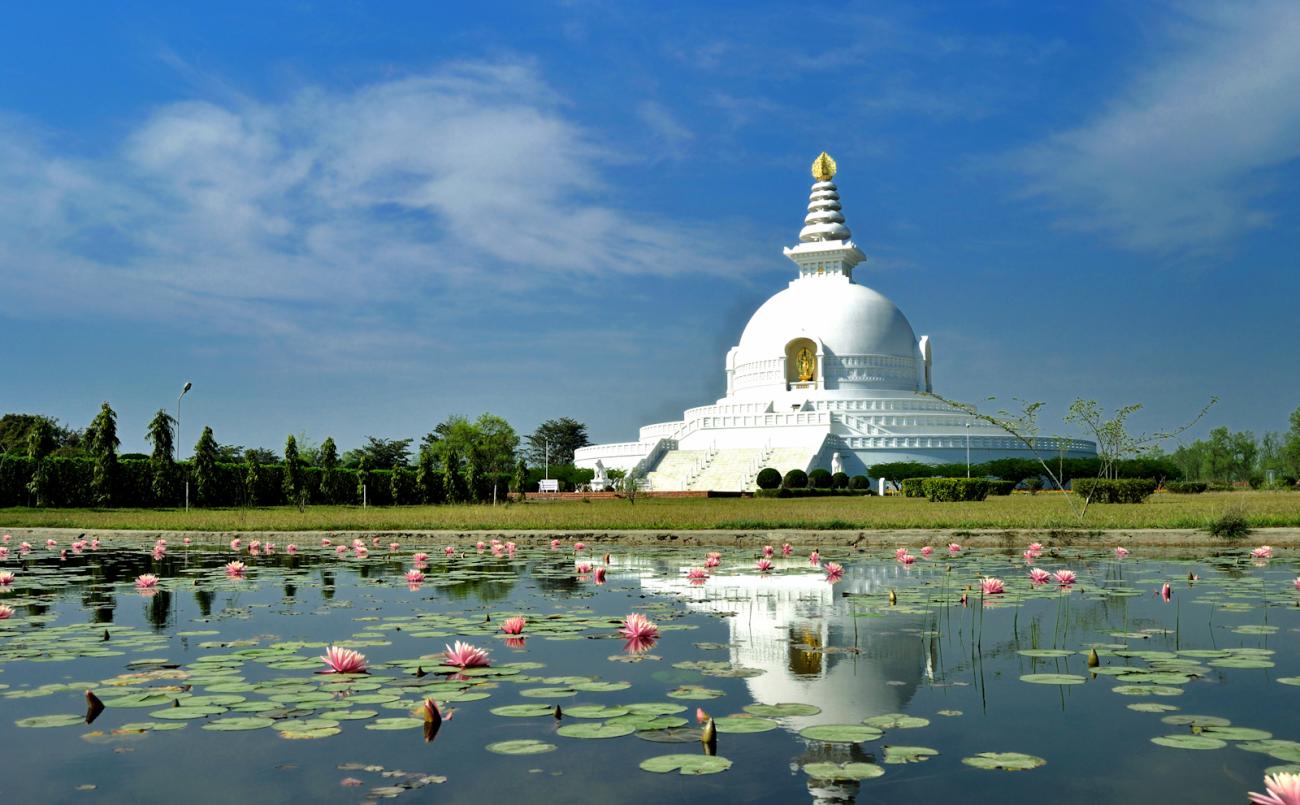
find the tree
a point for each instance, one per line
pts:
(252, 479)
(425, 474)
(162, 465)
(1114, 441)
(328, 459)
(1291, 447)
(15, 430)
(103, 446)
(205, 467)
(521, 478)
(40, 443)
(565, 435)
(380, 454)
(294, 489)
(260, 455)
(451, 478)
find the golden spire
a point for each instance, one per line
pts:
(823, 167)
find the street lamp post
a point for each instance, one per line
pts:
(967, 449)
(547, 471)
(184, 391)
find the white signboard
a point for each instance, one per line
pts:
(548, 485)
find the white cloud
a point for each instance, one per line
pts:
(1175, 163)
(427, 197)
(670, 135)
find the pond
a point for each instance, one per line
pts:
(902, 680)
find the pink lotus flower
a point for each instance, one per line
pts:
(344, 661)
(95, 543)
(361, 553)
(834, 571)
(1262, 552)
(555, 544)
(700, 715)
(6, 612)
(764, 565)
(510, 547)
(787, 549)
(464, 655)
(926, 551)
(1030, 557)
(254, 550)
(25, 547)
(814, 558)
(393, 547)
(1120, 551)
(420, 558)
(899, 553)
(159, 552)
(7, 577)
(4, 553)
(51, 544)
(714, 555)
(907, 559)
(325, 542)
(697, 573)
(186, 541)
(236, 544)
(358, 543)
(638, 627)
(514, 625)
(291, 549)
(954, 548)
(374, 542)
(1283, 789)
(1036, 547)
(712, 561)
(1297, 582)
(146, 581)
(1166, 592)
(235, 570)
(600, 575)
(268, 548)
(255, 545)
(1065, 577)
(339, 550)
(78, 547)
(498, 551)
(450, 550)
(579, 546)
(480, 545)
(414, 576)
(583, 568)
(1039, 576)
(63, 555)
(992, 586)
(768, 551)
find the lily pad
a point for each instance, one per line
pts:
(1005, 761)
(591, 730)
(783, 709)
(891, 721)
(908, 754)
(525, 746)
(744, 724)
(524, 710)
(395, 724)
(1189, 742)
(686, 764)
(841, 733)
(238, 724)
(1053, 679)
(842, 771)
(41, 722)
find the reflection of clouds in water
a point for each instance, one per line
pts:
(783, 622)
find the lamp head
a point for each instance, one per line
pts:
(188, 386)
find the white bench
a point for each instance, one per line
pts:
(548, 485)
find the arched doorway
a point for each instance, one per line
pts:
(801, 362)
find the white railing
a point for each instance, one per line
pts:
(605, 450)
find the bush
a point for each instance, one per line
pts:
(1120, 490)
(819, 479)
(768, 478)
(1186, 487)
(913, 487)
(795, 479)
(1033, 485)
(860, 482)
(948, 490)
(1231, 524)
(809, 493)
(840, 480)
(1001, 487)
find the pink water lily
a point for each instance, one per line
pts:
(414, 576)
(907, 559)
(514, 625)
(600, 575)
(1065, 577)
(1297, 582)
(236, 544)
(712, 561)
(450, 550)
(420, 558)
(1039, 576)
(834, 571)
(814, 558)
(768, 551)
(638, 626)
(992, 586)
(146, 581)
(344, 661)
(1283, 789)
(24, 547)
(361, 553)
(697, 573)
(1120, 551)
(187, 541)
(787, 549)
(1262, 552)
(1036, 547)
(339, 550)
(583, 568)
(6, 612)
(579, 546)
(899, 553)
(954, 548)
(1030, 557)
(325, 542)
(394, 547)
(51, 544)
(4, 552)
(555, 544)
(7, 577)
(763, 565)
(235, 570)
(291, 549)
(927, 551)
(464, 655)
(480, 545)
(1166, 592)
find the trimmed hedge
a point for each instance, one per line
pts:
(795, 479)
(1120, 490)
(1018, 469)
(948, 490)
(860, 482)
(913, 487)
(840, 480)
(810, 493)
(819, 479)
(768, 478)
(1186, 487)
(1001, 487)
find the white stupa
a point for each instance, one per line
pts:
(828, 374)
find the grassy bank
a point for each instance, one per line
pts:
(1262, 509)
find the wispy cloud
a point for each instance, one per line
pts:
(671, 136)
(427, 198)
(1176, 162)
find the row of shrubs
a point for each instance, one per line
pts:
(954, 489)
(1020, 469)
(769, 479)
(67, 484)
(1114, 490)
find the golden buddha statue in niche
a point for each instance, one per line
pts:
(806, 363)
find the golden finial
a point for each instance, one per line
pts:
(823, 167)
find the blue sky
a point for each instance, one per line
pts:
(348, 219)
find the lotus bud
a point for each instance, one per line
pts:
(893, 598)
(559, 714)
(1093, 659)
(105, 635)
(709, 735)
(419, 671)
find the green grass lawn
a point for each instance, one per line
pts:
(1018, 511)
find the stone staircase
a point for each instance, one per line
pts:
(677, 470)
(725, 470)
(729, 471)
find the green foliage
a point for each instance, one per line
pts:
(1001, 487)
(453, 487)
(1186, 487)
(768, 478)
(162, 459)
(859, 482)
(795, 479)
(1114, 490)
(913, 487)
(205, 468)
(569, 476)
(40, 439)
(810, 492)
(947, 490)
(521, 478)
(1232, 524)
(565, 435)
(103, 444)
(840, 480)
(819, 479)
(379, 454)
(904, 469)
(295, 491)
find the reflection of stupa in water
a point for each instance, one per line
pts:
(799, 631)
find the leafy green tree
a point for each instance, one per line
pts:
(328, 460)
(363, 477)
(473, 477)
(521, 478)
(1291, 447)
(425, 474)
(252, 478)
(294, 489)
(205, 467)
(103, 446)
(451, 477)
(565, 436)
(260, 455)
(380, 454)
(162, 464)
(40, 443)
